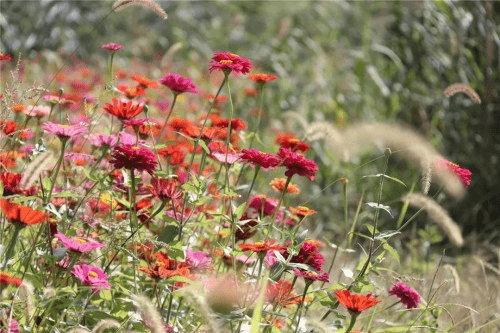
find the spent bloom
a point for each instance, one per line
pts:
(113, 47)
(355, 303)
(408, 296)
(297, 164)
(64, 131)
(178, 84)
(91, 276)
(230, 62)
(77, 244)
(134, 157)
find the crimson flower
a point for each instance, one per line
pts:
(462, 173)
(133, 157)
(166, 188)
(408, 296)
(124, 110)
(7, 279)
(178, 84)
(230, 62)
(355, 303)
(297, 164)
(256, 157)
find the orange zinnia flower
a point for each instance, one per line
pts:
(262, 78)
(355, 303)
(7, 279)
(21, 216)
(124, 110)
(261, 246)
(279, 184)
(144, 82)
(302, 211)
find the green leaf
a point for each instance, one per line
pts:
(169, 234)
(1, 188)
(380, 206)
(392, 251)
(204, 146)
(388, 177)
(240, 210)
(66, 194)
(46, 183)
(123, 202)
(105, 295)
(257, 312)
(175, 250)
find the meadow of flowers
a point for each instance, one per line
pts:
(139, 199)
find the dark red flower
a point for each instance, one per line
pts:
(178, 84)
(230, 62)
(133, 157)
(408, 296)
(297, 164)
(166, 188)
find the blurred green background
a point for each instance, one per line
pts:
(342, 62)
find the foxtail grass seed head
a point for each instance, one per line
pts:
(149, 313)
(438, 215)
(104, 324)
(153, 5)
(462, 88)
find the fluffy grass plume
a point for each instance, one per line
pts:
(35, 168)
(462, 88)
(105, 324)
(122, 4)
(149, 313)
(400, 139)
(438, 215)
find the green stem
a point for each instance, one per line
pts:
(56, 173)
(11, 246)
(351, 324)
(299, 307)
(275, 214)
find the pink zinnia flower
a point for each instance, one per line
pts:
(256, 157)
(228, 158)
(408, 296)
(134, 157)
(113, 47)
(464, 174)
(129, 139)
(198, 260)
(64, 131)
(37, 111)
(312, 276)
(77, 244)
(230, 62)
(91, 276)
(178, 84)
(297, 164)
(100, 140)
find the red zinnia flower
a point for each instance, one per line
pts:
(166, 188)
(256, 157)
(178, 84)
(281, 293)
(124, 110)
(5, 57)
(355, 303)
(133, 157)
(292, 142)
(230, 62)
(462, 173)
(144, 82)
(21, 216)
(297, 164)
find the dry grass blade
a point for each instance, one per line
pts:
(463, 88)
(35, 168)
(438, 215)
(122, 4)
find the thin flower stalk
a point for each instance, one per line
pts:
(275, 213)
(56, 171)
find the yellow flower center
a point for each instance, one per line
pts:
(233, 55)
(135, 148)
(93, 274)
(226, 62)
(259, 243)
(80, 240)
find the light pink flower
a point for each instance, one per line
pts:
(77, 244)
(63, 131)
(37, 111)
(198, 260)
(91, 276)
(113, 47)
(178, 84)
(100, 140)
(221, 157)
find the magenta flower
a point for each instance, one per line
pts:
(91, 276)
(408, 296)
(297, 164)
(63, 131)
(9, 325)
(103, 140)
(134, 157)
(230, 62)
(113, 47)
(256, 157)
(463, 173)
(178, 84)
(198, 260)
(77, 244)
